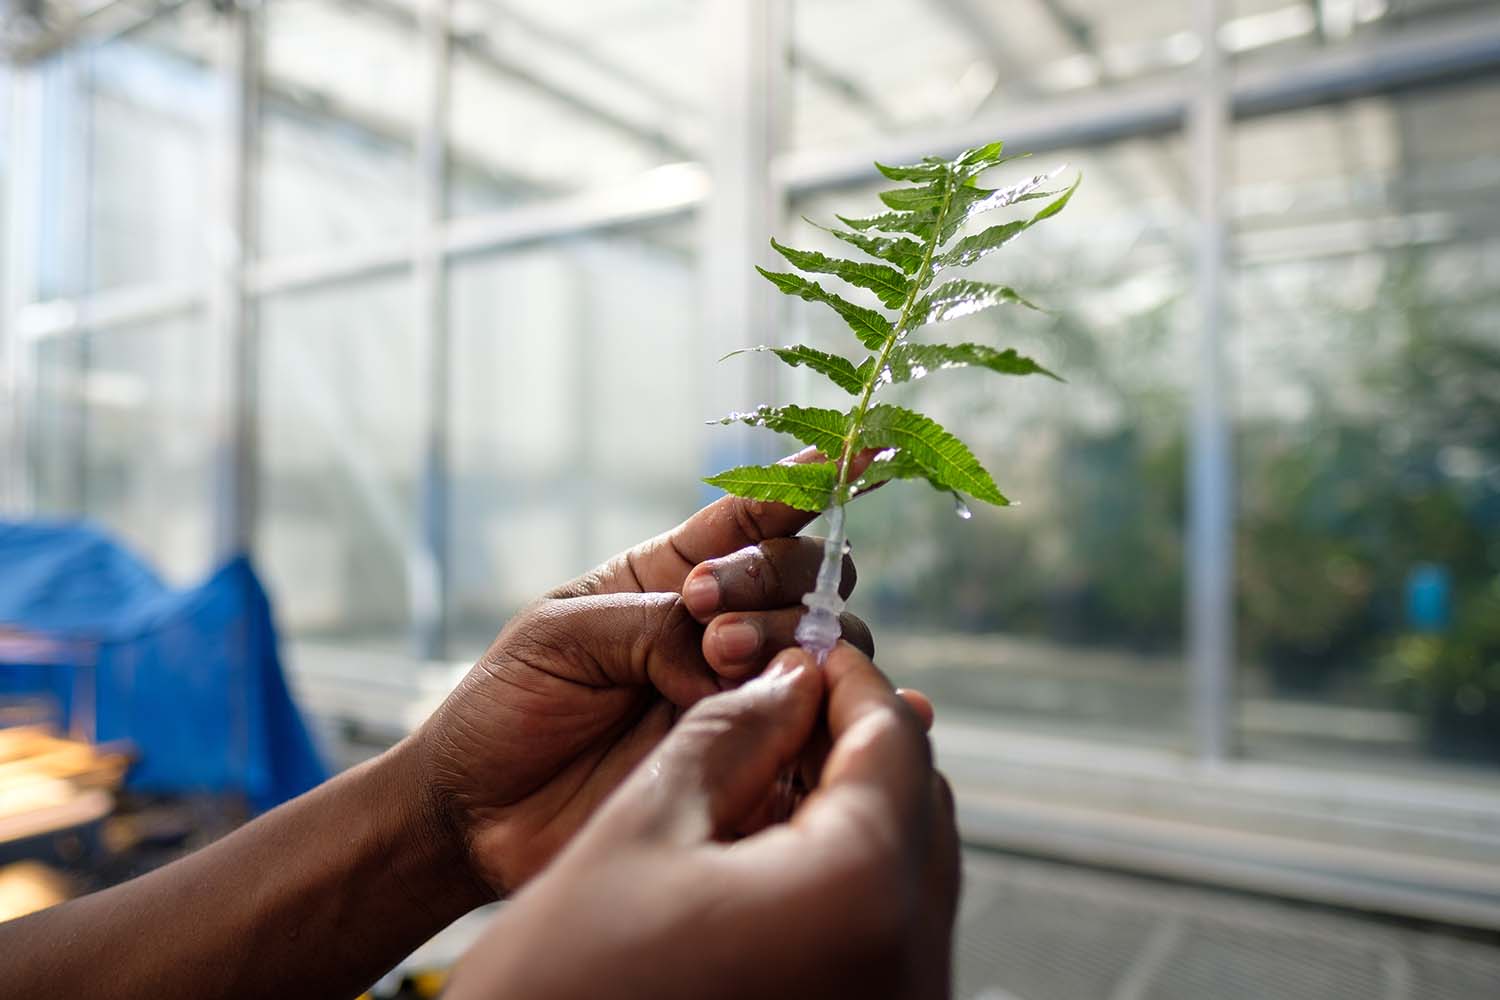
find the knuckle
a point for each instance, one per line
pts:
(768, 558)
(796, 561)
(747, 515)
(537, 631)
(676, 631)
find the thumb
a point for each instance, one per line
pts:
(718, 763)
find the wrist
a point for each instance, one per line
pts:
(428, 833)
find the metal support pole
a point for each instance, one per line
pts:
(23, 141)
(71, 259)
(428, 571)
(745, 38)
(1210, 483)
(232, 312)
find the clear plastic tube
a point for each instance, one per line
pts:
(819, 630)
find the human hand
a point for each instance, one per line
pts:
(855, 896)
(580, 686)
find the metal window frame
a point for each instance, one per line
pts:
(751, 190)
(1209, 602)
(428, 569)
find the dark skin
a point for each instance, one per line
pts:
(658, 897)
(320, 896)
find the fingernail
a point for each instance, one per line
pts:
(701, 594)
(738, 642)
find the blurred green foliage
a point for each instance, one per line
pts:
(1396, 463)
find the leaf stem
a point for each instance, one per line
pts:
(856, 423)
(819, 629)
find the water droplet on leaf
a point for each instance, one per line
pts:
(960, 508)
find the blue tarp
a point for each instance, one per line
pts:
(190, 677)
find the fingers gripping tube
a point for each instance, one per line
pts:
(818, 631)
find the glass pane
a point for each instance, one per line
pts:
(154, 402)
(152, 106)
(537, 84)
(862, 68)
(124, 431)
(5, 170)
(53, 128)
(1064, 611)
(55, 417)
(339, 453)
(338, 120)
(1369, 430)
(578, 406)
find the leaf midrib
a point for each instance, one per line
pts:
(841, 489)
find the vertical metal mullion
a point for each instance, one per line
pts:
(233, 313)
(21, 219)
(745, 37)
(428, 570)
(74, 263)
(778, 87)
(1210, 556)
(232, 310)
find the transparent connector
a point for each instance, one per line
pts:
(819, 630)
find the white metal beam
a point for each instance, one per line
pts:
(19, 287)
(747, 47)
(427, 571)
(102, 21)
(659, 194)
(1464, 46)
(1455, 48)
(232, 311)
(1210, 479)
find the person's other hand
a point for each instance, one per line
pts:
(853, 897)
(580, 686)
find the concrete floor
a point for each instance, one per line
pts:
(1039, 930)
(1044, 930)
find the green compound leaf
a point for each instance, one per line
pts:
(945, 460)
(986, 155)
(893, 463)
(954, 299)
(888, 284)
(918, 225)
(1056, 206)
(911, 243)
(914, 172)
(977, 201)
(928, 198)
(972, 249)
(839, 370)
(908, 362)
(872, 329)
(904, 253)
(821, 428)
(807, 486)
